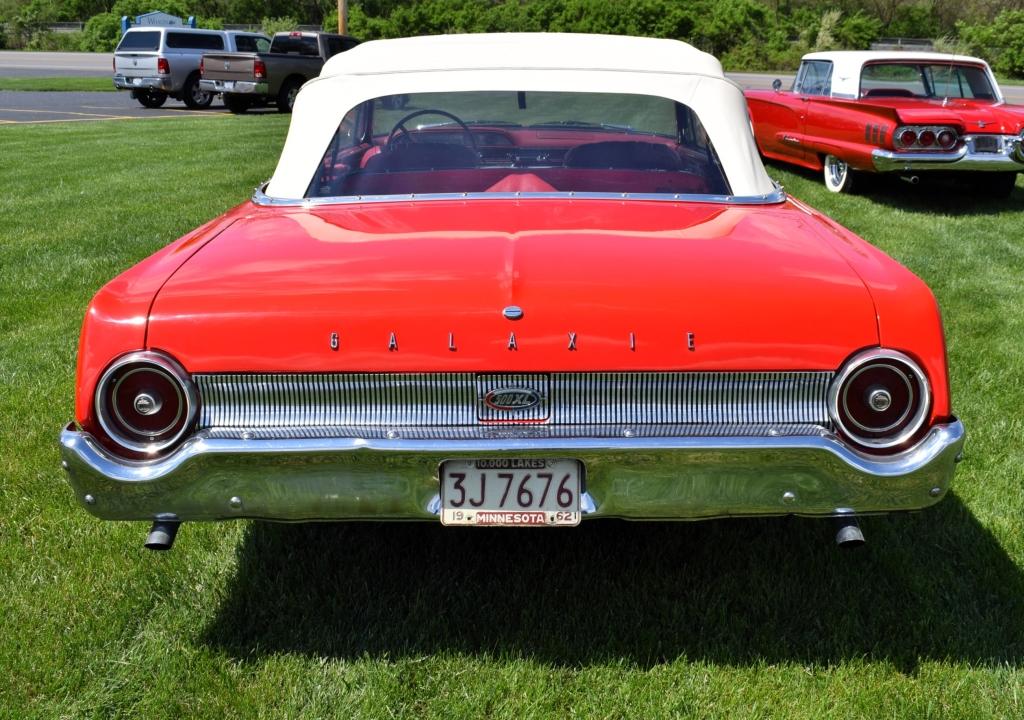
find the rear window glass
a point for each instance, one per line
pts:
(926, 80)
(491, 141)
(194, 41)
(294, 44)
(251, 43)
(140, 40)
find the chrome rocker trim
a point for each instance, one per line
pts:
(1010, 158)
(241, 87)
(259, 197)
(642, 478)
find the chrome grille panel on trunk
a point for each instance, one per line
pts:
(334, 402)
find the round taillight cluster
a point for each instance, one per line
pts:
(879, 399)
(946, 139)
(926, 137)
(145, 402)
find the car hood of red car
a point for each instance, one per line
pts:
(602, 285)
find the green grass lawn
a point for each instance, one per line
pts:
(725, 619)
(57, 84)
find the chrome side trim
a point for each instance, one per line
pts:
(259, 197)
(639, 477)
(394, 400)
(1009, 158)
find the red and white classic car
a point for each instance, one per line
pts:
(554, 283)
(892, 112)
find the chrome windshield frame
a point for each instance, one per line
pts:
(259, 197)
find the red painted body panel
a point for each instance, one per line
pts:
(908, 315)
(842, 127)
(775, 287)
(756, 286)
(115, 321)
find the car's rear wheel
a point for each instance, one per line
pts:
(996, 184)
(286, 96)
(151, 98)
(838, 175)
(195, 97)
(237, 104)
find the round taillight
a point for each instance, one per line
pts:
(908, 138)
(946, 139)
(926, 138)
(879, 399)
(145, 402)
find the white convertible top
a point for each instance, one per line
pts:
(543, 51)
(847, 64)
(521, 62)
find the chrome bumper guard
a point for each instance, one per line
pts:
(1007, 156)
(646, 477)
(142, 83)
(234, 86)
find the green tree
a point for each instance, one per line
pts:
(101, 33)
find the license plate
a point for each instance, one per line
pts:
(510, 492)
(986, 144)
(136, 81)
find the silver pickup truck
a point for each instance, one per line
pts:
(249, 79)
(160, 62)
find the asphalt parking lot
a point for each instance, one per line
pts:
(49, 107)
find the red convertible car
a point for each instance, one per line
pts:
(553, 284)
(893, 112)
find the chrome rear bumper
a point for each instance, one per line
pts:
(643, 478)
(234, 86)
(1008, 156)
(163, 84)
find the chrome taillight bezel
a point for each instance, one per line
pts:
(120, 430)
(907, 425)
(918, 130)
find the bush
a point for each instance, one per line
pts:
(55, 41)
(101, 33)
(278, 24)
(1000, 42)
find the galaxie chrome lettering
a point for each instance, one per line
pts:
(513, 343)
(512, 399)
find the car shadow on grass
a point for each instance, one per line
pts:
(931, 585)
(950, 196)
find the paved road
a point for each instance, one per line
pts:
(14, 63)
(50, 107)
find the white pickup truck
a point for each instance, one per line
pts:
(155, 63)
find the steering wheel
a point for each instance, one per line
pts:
(400, 129)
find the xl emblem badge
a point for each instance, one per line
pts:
(512, 399)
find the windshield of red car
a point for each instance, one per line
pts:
(526, 142)
(925, 80)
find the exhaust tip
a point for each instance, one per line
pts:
(162, 534)
(849, 535)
